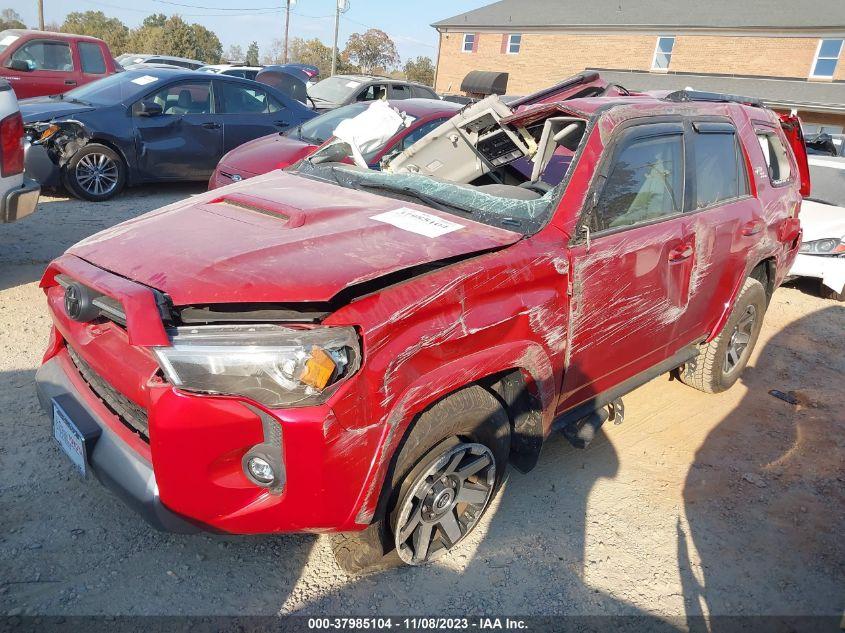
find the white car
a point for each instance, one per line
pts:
(822, 254)
(235, 70)
(18, 195)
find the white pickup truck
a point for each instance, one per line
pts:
(18, 194)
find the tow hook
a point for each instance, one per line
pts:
(581, 432)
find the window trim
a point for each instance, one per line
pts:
(51, 41)
(508, 50)
(654, 67)
(471, 44)
(816, 58)
(629, 132)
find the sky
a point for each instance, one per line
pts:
(406, 21)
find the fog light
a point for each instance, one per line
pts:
(261, 470)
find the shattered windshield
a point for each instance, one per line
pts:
(480, 203)
(320, 128)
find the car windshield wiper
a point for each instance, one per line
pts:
(440, 205)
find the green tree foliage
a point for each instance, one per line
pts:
(315, 53)
(371, 50)
(95, 23)
(252, 54)
(10, 19)
(161, 35)
(420, 70)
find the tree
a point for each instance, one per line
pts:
(420, 70)
(371, 50)
(95, 23)
(235, 53)
(209, 48)
(315, 53)
(154, 20)
(276, 53)
(10, 19)
(252, 54)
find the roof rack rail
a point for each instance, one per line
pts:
(716, 97)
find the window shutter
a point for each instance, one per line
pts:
(475, 42)
(504, 48)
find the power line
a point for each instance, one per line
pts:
(192, 15)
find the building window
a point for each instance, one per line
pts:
(663, 53)
(514, 42)
(827, 56)
(469, 42)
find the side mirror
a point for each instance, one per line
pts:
(150, 108)
(20, 65)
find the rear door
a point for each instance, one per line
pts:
(248, 111)
(185, 142)
(92, 62)
(629, 278)
(400, 91)
(51, 68)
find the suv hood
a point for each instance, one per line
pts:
(46, 108)
(279, 238)
(266, 153)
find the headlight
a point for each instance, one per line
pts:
(827, 246)
(276, 366)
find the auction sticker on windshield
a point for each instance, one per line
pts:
(144, 80)
(417, 222)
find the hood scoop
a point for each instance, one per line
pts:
(234, 203)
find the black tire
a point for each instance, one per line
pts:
(105, 183)
(471, 415)
(712, 371)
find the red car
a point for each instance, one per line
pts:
(38, 63)
(277, 151)
(337, 349)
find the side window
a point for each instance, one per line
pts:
(419, 92)
(92, 60)
(400, 91)
(417, 134)
(274, 104)
(777, 159)
(184, 98)
(645, 182)
(719, 166)
(238, 99)
(45, 55)
(372, 92)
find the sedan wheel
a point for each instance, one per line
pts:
(97, 174)
(445, 502)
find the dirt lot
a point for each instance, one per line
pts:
(725, 504)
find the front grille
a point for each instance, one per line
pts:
(130, 414)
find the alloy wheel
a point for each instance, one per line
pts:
(445, 502)
(97, 174)
(740, 338)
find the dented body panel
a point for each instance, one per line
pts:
(574, 314)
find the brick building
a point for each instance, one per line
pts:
(788, 53)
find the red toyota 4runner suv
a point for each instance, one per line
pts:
(337, 349)
(38, 63)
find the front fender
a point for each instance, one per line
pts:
(428, 388)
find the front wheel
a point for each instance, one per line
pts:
(449, 468)
(95, 173)
(719, 363)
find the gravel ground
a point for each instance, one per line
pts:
(715, 504)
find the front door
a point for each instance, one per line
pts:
(630, 278)
(185, 141)
(50, 68)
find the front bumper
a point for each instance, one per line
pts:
(831, 270)
(20, 201)
(114, 463)
(40, 167)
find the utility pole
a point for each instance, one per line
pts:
(287, 26)
(342, 7)
(40, 15)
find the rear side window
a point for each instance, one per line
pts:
(719, 167)
(401, 91)
(645, 183)
(45, 55)
(777, 159)
(238, 99)
(92, 60)
(421, 92)
(372, 92)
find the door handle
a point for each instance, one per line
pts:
(682, 251)
(211, 125)
(70, 82)
(752, 228)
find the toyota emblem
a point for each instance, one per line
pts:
(73, 301)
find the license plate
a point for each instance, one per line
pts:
(69, 437)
